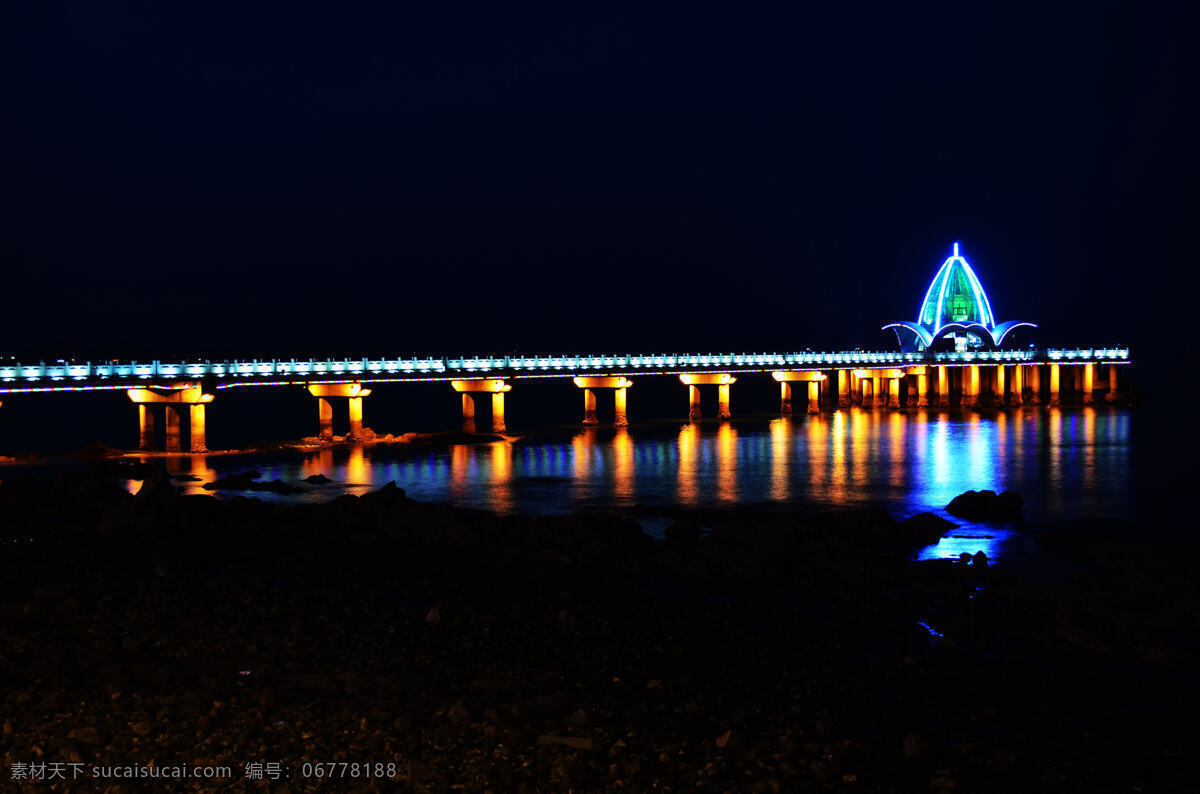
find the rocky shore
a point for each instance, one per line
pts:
(747, 652)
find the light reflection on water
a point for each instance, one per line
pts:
(1068, 463)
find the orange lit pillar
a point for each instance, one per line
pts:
(877, 389)
(970, 387)
(785, 398)
(1017, 392)
(998, 385)
(843, 377)
(356, 416)
(325, 414)
(868, 392)
(855, 389)
(814, 396)
(1054, 383)
(468, 412)
(145, 427)
(723, 401)
(893, 392)
(589, 407)
(693, 402)
(498, 412)
(1035, 384)
(922, 390)
(943, 377)
(1089, 385)
(621, 418)
(1112, 384)
(196, 427)
(172, 414)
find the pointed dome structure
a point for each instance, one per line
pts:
(955, 305)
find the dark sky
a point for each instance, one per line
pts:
(441, 177)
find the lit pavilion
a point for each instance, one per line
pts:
(956, 308)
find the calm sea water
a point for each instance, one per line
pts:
(1069, 464)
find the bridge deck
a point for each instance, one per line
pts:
(65, 375)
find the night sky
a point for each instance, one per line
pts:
(438, 177)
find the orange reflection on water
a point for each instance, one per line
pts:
(781, 458)
(818, 451)
(501, 479)
(1089, 444)
(358, 471)
(727, 473)
(896, 457)
(623, 480)
(838, 471)
(688, 443)
(461, 470)
(318, 463)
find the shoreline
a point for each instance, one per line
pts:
(777, 651)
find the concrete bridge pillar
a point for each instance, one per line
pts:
(494, 386)
(998, 385)
(172, 424)
(943, 380)
(356, 415)
(468, 412)
(723, 401)
(196, 429)
(1016, 392)
(145, 427)
(618, 384)
(325, 418)
(855, 388)
(589, 408)
(866, 383)
(922, 390)
(844, 388)
(354, 392)
(1055, 378)
(1035, 384)
(970, 387)
(498, 423)
(1111, 396)
(191, 394)
(787, 377)
(894, 392)
(1089, 384)
(720, 379)
(879, 389)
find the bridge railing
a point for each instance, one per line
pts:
(303, 369)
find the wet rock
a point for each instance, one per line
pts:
(363, 436)
(987, 506)
(925, 528)
(234, 482)
(980, 560)
(317, 479)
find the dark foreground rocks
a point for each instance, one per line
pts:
(770, 652)
(987, 506)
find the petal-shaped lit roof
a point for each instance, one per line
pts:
(955, 303)
(955, 296)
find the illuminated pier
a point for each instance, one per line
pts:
(953, 349)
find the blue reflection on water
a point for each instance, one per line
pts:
(1067, 463)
